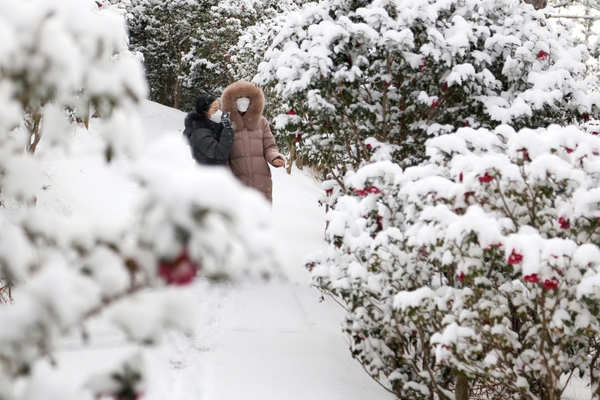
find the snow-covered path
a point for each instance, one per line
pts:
(272, 340)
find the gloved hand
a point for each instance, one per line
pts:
(225, 121)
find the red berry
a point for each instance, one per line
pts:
(329, 191)
(369, 147)
(461, 276)
(434, 103)
(460, 177)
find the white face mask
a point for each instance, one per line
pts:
(242, 104)
(216, 117)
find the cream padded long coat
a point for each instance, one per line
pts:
(253, 143)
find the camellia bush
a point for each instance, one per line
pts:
(356, 74)
(476, 274)
(65, 59)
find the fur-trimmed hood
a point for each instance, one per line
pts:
(236, 90)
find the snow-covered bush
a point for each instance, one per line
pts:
(477, 273)
(402, 71)
(58, 59)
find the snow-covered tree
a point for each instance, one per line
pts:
(66, 58)
(475, 274)
(357, 74)
(200, 46)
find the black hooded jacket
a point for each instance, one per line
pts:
(209, 141)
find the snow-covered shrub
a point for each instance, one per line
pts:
(402, 71)
(45, 64)
(57, 59)
(477, 272)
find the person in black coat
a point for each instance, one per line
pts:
(209, 131)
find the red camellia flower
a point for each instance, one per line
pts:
(445, 86)
(360, 192)
(542, 55)
(369, 147)
(434, 103)
(586, 117)
(533, 278)
(379, 222)
(564, 223)
(423, 63)
(373, 189)
(461, 276)
(485, 178)
(551, 284)
(329, 191)
(515, 258)
(460, 176)
(291, 112)
(180, 271)
(569, 151)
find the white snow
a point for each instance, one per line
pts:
(248, 340)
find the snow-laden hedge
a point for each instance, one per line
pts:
(60, 61)
(359, 73)
(476, 271)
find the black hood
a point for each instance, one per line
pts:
(194, 121)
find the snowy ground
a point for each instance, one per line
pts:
(255, 340)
